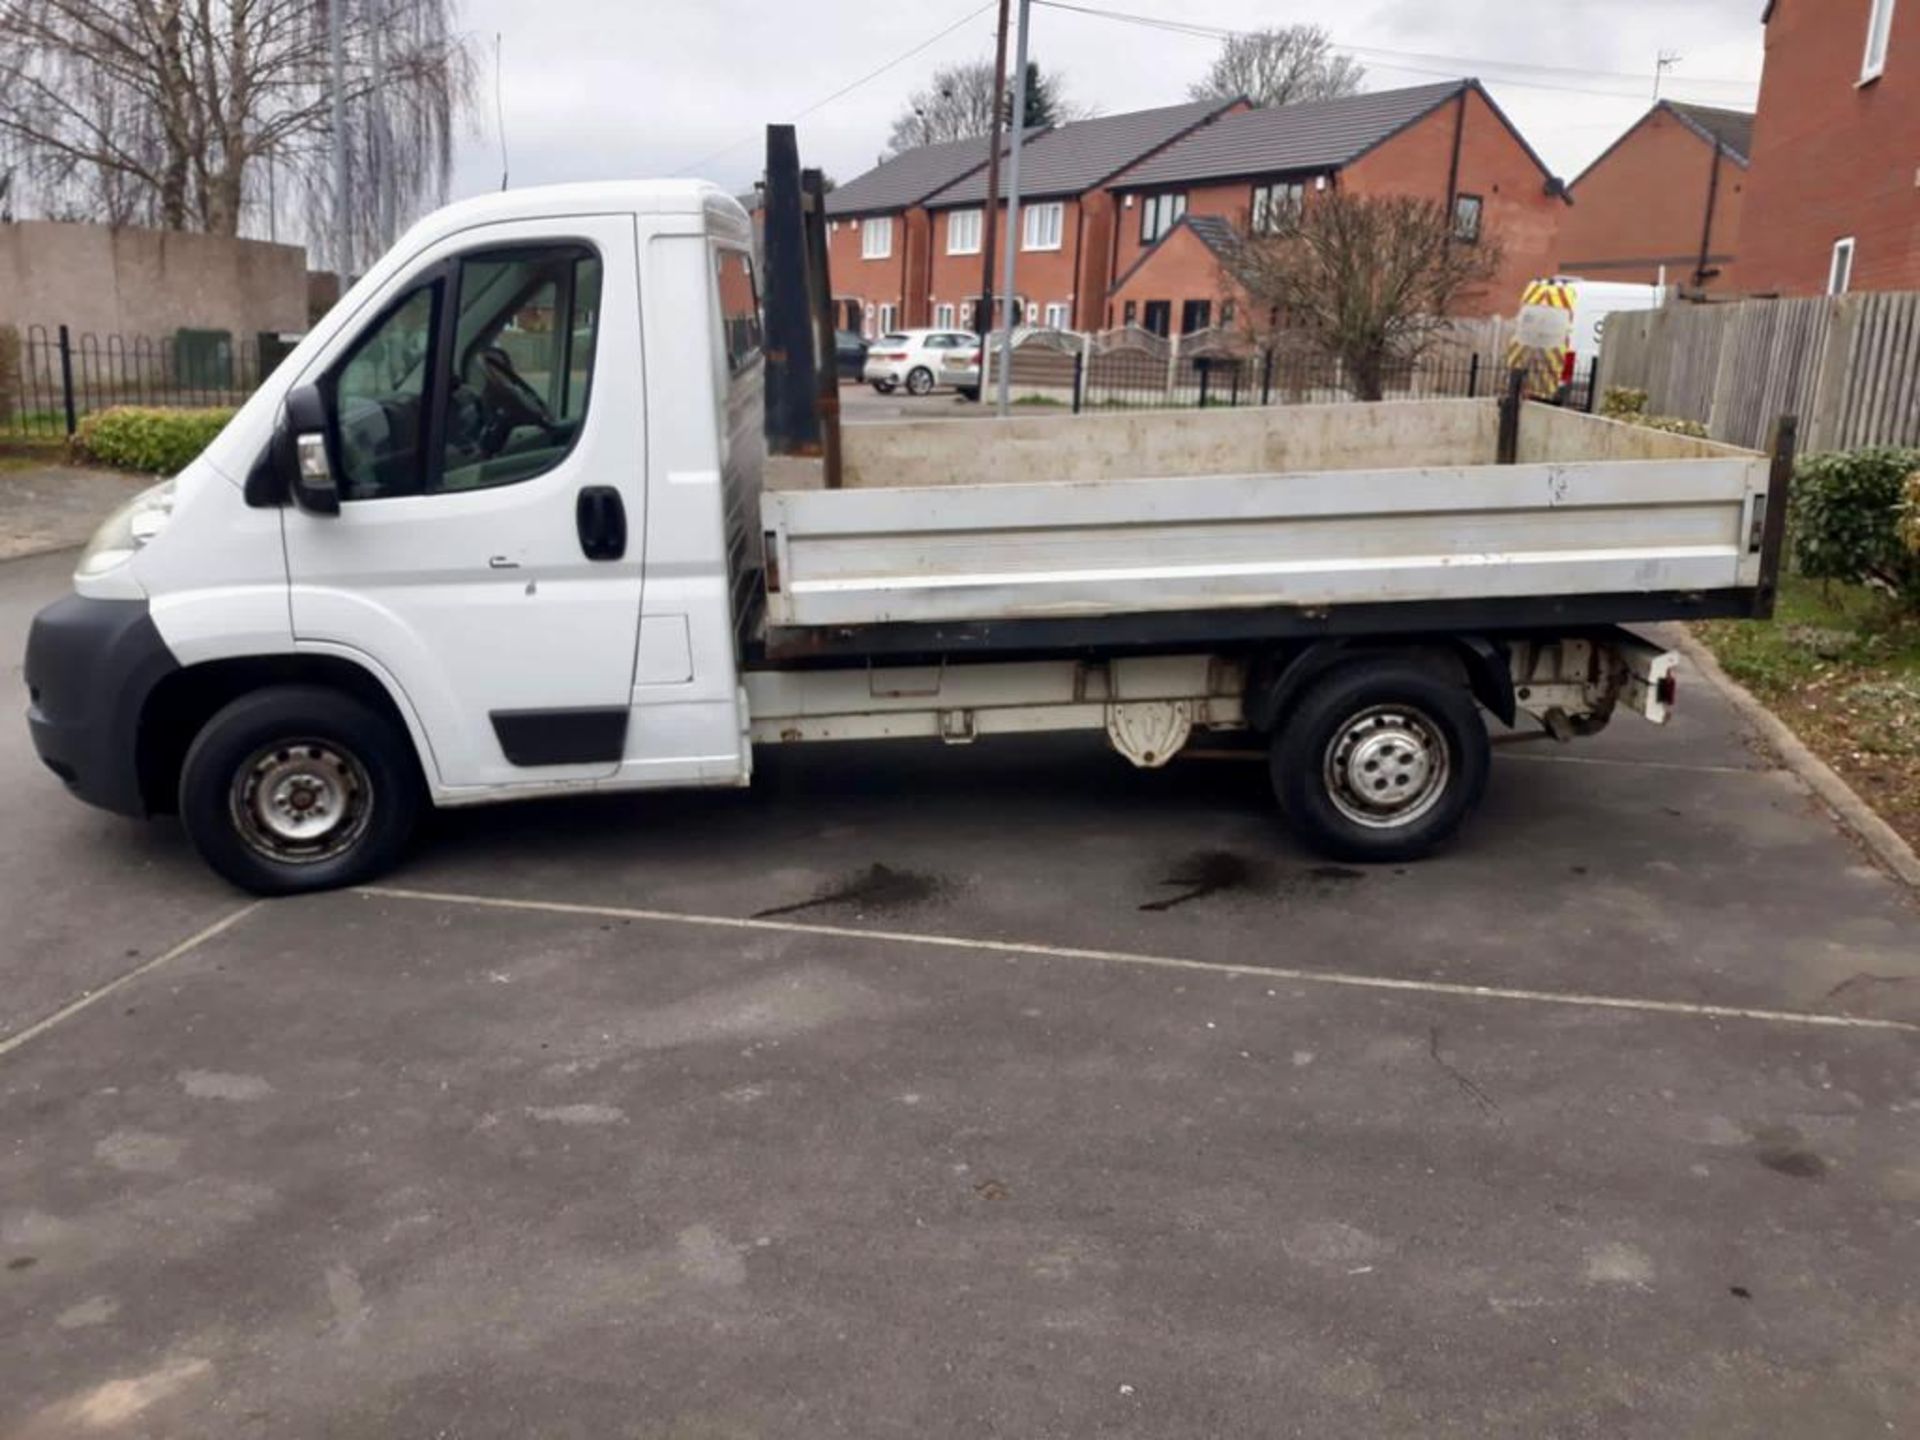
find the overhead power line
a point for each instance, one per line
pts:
(1388, 59)
(849, 87)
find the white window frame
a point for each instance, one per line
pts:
(888, 313)
(963, 239)
(876, 237)
(1839, 276)
(1879, 39)
(1042, 226)
(1159, 213)
(1059, 315)
(943, 317)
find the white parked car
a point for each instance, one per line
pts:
(922, 360)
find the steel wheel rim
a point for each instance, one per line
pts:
(1387, 767)
(301, 801)
(920, 382)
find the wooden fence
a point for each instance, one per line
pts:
(1849, 367)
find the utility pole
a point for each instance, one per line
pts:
(1668, 59)
(342, 224)
(1005, 367)
(983, 317)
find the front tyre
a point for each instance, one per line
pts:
(1380, 762)
(298, 788)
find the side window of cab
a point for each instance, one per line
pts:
(479, 376)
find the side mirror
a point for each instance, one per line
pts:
(304, 459)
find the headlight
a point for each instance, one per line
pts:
(127, 529)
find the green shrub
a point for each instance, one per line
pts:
(1910, 517)
(152, 441)
(1621, 403)
(1849, 510)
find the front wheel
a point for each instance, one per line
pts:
(1381, 762)
(298, 788)
(920, 381)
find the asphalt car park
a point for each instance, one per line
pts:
(985, 1090)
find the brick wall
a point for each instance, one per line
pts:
(1043, 277)
(1494, 165)
(869, 284)
(1644, 205)
(1832, 157)
(1181, 269)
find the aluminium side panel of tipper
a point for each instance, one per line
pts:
(1595, 524)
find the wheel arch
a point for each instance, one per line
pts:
(178, 708)
(1277, 680)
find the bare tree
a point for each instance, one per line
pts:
(189, 113)
(958, 104)
(1282, 66)
(1368, 281)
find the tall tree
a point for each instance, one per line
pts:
(1282, 66)
(959, 103)
(1365, 280)
(188, 114)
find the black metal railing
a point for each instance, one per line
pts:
(52, 377)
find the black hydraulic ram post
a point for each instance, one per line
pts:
(792, 392)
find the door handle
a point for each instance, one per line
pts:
(501, 562)
(601, 517)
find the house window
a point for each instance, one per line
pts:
(1040, 227)
(1158, 214)
(1130, 312)
(1879, 28)
(963, 232)
(943, 316)
(1058, 316)
(1276, 206)
(1467, 210)
(876, 238)
(887, 316)
(1195, 315)
(1840, 274)
(1159, 317)
(1226, 313)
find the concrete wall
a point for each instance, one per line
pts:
(107, 281)
(1642, 209)
(1833, 157)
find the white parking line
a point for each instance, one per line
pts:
(94, 997)
(1163, 962)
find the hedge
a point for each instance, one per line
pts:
(152, 441)
(1853, 517)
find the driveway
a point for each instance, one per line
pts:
(986, 1091)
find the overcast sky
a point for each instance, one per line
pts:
(598, 89)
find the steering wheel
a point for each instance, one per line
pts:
(512, 401)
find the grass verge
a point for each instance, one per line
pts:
(1840, 665)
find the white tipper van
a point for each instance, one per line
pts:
(504, 525)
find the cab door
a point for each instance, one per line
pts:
(487, 433)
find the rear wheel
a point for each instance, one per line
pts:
(919, 381)
(298, 788)
(1381, 761)
(883, 387)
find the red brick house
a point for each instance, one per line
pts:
(1833, 202)
(1066, 221)
(879, 244)
(1664, 204)
(1446, 142)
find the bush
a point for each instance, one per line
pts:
(1850, 512)
(1910, 516)
(143, 438)
(1620, 403)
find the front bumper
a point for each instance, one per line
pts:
(91, 666)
